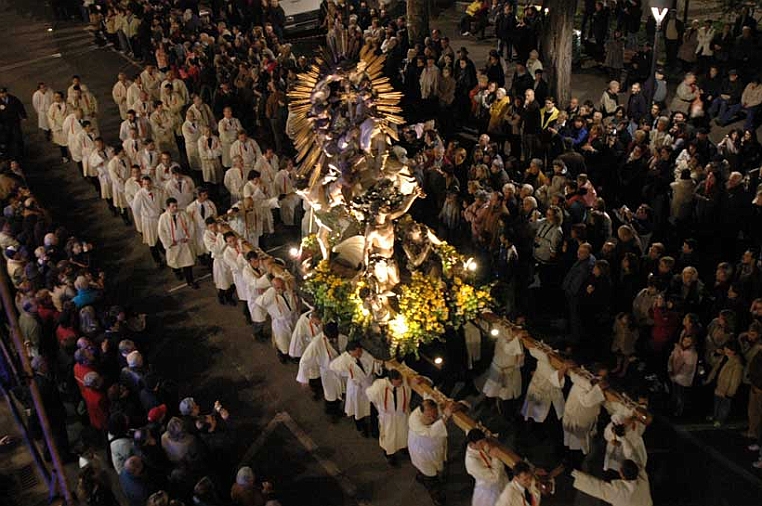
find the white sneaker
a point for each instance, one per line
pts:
(65, 160)
(753, 448)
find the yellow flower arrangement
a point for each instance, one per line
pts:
(423, 314)
(335, 297)
(310, 245)
(450, 258)
(466, 301)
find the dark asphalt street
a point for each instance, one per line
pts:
(209, 352)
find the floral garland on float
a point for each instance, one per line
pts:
(365, 262)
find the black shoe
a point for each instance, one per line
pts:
(221, 300)
(160, 266)
(283, 358)
(231, 301)
(179, 275)
(392, 460)
(194, 285)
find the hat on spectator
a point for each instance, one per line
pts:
(463, 50)
(187, 405)
(245, 476)
(732, 72)
(157, 414)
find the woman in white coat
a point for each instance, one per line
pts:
(42, 99)
(545, 389)
(176, 233)
(486, 469)
(391, 396)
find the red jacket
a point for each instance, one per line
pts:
(666, 325)
(97, 407)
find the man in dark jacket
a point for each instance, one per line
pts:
(636, 105)
(572, 285)
(12, 112)
(505, 28)
(521, 81)
(728, 103)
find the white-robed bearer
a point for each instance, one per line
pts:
(57, 113)
(315, 369)
(203, 112)
(391, 397)
(504, 376)
(214, 242)
(143, 108)
(283, 306)
(284, 186)
(151, 81)
(247, 148)
(72, 126)
(307, 326)
(180, 187)
(485, 468)
(268, 166)
(163, 128)
(630, 488)
(148, 204)
(132, 147)
(131, 123)
(209, 152)
(81, 143)
(98, 163)
(81, 98)
(131, 188)
(134, 90)
(235, 179)
(522, 490)
(174, 104)
(359, 368)
(199, 210)
(257, 282)
(583, 405)
(427, 445)
(191, 133)
(164, 168)
(176, 234)
(119, 172)
(235, 258)
(258, 206)
(119, 94)
(545, 389)
(228, 128)
(42, 99)
(623, 441)
(177, 85)
(148, 159)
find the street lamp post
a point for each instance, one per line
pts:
(659, 13)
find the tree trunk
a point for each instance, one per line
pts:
(557, 43)
(417, 20)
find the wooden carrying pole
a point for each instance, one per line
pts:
(461, 418)
(557, 361)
